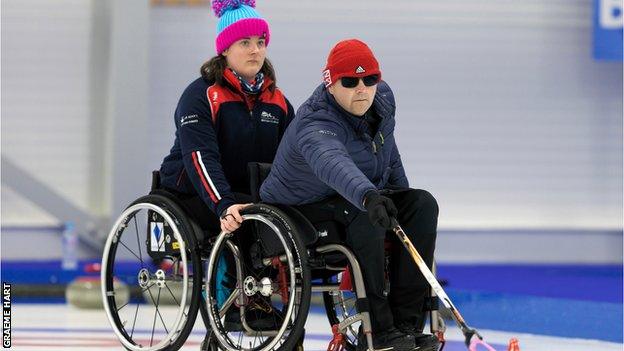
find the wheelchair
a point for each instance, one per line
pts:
(175, 270)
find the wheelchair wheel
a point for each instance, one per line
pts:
(275, 275)
(152, 249)
(209, 343)
(340, 305)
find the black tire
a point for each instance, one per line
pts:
(165, 274)
(296, 307)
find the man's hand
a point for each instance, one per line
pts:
(380, 209)
(232, 219)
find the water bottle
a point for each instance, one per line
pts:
(70, 247)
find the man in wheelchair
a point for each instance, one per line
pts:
(338, 161)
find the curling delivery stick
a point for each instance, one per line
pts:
(465, 329)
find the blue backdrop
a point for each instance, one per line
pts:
(608, 22)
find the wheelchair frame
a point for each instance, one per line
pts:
(190, 252)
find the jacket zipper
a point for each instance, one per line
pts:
(375, 144)
(180, 177)
(246, 100)
(379, 160)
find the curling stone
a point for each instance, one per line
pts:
(86, 292)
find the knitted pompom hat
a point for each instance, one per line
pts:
(238, 19)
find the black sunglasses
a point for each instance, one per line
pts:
(352, 82)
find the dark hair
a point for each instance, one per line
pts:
(212, 70)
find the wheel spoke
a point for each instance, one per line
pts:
(240, 338)
(135, 318)
(132, 252)
(124, 305)
(175, 261)
(172, 295)
(155, 314)
(136, 228)
(161, 318)
(176, 300)
(142, 291)
(147, 288)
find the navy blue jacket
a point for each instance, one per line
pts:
(326, 151)
(219, 129)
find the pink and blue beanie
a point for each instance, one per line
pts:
(237, 19)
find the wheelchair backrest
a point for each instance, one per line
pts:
(158, 190)
(155, 180)
(258, 172)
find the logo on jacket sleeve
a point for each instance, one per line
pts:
(327, 132)
(268, 118)
(184, 120)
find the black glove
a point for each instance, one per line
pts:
(380, 209)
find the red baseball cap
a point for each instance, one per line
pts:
(350, 58)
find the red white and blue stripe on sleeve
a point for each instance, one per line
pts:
(206, 181)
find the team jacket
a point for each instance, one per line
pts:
(326, 151)
(219, 129)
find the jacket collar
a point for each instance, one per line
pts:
(232, 80)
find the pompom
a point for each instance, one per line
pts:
(220, 6)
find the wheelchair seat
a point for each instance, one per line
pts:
(314, 235)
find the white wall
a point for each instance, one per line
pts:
(502, 112)
(45, 100)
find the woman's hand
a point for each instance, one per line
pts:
(232, 219)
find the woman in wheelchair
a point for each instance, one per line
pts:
(338, 163)
(232, 115)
